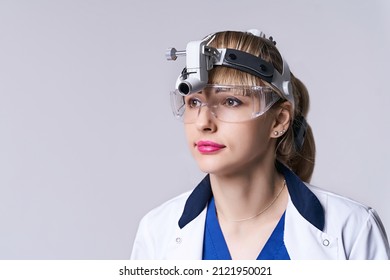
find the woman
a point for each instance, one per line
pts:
(247, 130)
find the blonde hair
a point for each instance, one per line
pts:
(301, 161)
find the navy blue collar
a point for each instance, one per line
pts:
(303, 199)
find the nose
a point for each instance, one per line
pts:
(206, 120)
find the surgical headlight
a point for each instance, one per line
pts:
(201, 58)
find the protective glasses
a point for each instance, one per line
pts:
(231, 104)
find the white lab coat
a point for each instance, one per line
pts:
(350, 231)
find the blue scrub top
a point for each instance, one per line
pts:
(215, 247)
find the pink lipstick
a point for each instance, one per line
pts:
(207, 147)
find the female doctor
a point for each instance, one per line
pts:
(244, 115)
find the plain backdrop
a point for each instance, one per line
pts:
(88, 143)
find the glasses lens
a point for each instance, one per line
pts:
(232, 104)
(227, 103)
(177, 104)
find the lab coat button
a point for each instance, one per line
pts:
(325, 242)
(178, 240)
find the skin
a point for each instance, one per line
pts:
(243, 178)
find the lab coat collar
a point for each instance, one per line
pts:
(196, 202)
(302, 197)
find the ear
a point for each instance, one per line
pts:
(282, 119)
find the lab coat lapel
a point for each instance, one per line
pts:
(187, 244)
(304, 241)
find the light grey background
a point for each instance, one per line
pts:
(88, 143)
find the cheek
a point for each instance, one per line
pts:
(251, 132)
(190, 133)
(249, 140)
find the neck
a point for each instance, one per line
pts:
(243, 195)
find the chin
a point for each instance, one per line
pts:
(213, 163)
(214, 166)
(209, 166)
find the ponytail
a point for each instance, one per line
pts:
(297, 148)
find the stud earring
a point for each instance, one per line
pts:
(276, 133)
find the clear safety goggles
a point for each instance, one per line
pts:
(226, 103)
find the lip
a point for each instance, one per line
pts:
(207, 147)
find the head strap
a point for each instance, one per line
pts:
(299, 129)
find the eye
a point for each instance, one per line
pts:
(193, 103)
(232, 102)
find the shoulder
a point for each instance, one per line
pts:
(355, 223)
(341, 208)
(157, 227)
(168, 212)
(322, 193)
(342, 204)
